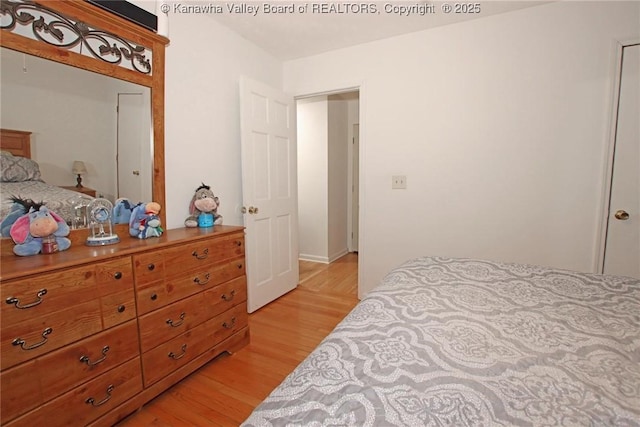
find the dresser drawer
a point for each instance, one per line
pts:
(148, 267)
(166, 358)
(36, 295)
(61, 315)
(203, 252)
(88, 401)
(158, 294)
(222, 297)
(170, 321)
(177, 352)
(33, 296)
(21, 391)
(116, 275)
(31, 384)
(33, 337)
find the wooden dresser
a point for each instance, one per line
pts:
(90, 334)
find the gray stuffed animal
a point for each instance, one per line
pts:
(203, 201)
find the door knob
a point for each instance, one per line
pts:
(136, 172)
(253, 210)
(622, 215)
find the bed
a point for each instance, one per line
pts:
(20, 177)
(464, 342)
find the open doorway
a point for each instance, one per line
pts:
(328, 172)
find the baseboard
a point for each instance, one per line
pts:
(338, 255)
(323, 259)
(313, 258)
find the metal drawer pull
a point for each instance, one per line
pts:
(175, 325)
(207, 277)
(238, 242)
(181, 355)
(118, 275)
(151, 267)
(229, 298)
(85, 359)
(91, 401)
(21, 342)
(239, 266)
(204, 254)
(15, 301)
(231, 325)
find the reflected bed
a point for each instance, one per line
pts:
(20, 177)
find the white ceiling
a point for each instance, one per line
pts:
(295, 35)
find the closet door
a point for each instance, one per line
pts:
(622, 251)
(133, 161)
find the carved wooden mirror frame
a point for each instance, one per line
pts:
(85, 16)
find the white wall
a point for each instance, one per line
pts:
(500, 125)
(204, 62)
(313, 191)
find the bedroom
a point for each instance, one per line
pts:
(547, 86)
(470, 184)
(502, 138)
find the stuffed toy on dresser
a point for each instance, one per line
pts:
(144, 221)
(39, 231)
(203, 209)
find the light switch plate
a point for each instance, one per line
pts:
(398, 182)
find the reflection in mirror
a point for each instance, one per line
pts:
(76, 115)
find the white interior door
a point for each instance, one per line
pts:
(269, 191)
(622, 250)
(133, 169)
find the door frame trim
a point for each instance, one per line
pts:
(610, 145)
(360, 87)
(350, 196)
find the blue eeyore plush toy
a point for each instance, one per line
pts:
(122, 211)
(144, 221)
(19, 207)
(28, 231)
(203, 209)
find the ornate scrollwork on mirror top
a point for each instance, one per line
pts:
(51, 27)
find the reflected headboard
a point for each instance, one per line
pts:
(17, 142)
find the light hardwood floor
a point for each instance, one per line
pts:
(283, 333)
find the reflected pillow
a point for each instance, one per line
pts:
(18, 169)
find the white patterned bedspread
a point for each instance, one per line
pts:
(459, 342)
(57, 199)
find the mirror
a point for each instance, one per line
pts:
(72, 25)
(79, 115)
